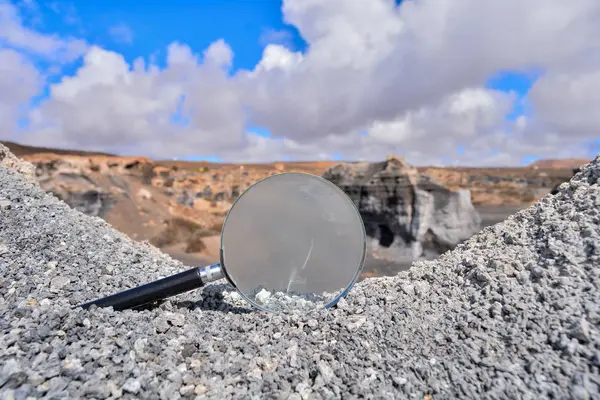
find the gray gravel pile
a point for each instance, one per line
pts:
(513, 313)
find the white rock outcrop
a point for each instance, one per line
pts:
(407, 215)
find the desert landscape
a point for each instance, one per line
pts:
(140, 259)
(180, 206)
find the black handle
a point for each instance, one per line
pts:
(151, 292)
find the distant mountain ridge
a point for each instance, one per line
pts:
(549, 163)
(21, 150)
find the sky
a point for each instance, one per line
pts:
(471, 82)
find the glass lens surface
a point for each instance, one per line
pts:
(293, 241)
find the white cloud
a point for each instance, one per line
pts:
(427, 135)
(218, 54)
(19, 82)
(277, 57)
(372, 63)
(112, 105)
(274, 36)
(463, 115)
(568, 102)
(121, 33)
(375, 79)
(14, 34)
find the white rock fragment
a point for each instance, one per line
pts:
(355, 323)
(325, 371)
(132, 386)
(263, 296)
(59, 282)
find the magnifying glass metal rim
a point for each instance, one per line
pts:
(361, 263)
(197, 277)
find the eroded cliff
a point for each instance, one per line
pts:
(406, 214)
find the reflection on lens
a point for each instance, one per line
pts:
(293, 241)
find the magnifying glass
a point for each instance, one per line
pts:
(292, 241)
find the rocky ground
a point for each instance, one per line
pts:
(512, 313)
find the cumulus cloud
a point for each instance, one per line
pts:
(463, 116)
(374, 79)
(374, 62)
(122, 108)
(19, 82)
(568, 102)
(219, 54)
(425, 135)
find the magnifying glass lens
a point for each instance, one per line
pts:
(293, 241)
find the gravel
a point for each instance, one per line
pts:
(513, 313)
(288, 302)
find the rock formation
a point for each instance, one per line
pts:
(406, 214)
(119, 190)
(88, 184)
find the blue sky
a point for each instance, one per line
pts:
(245, 25)
(147, 28)
(135, 28)
(518, 83)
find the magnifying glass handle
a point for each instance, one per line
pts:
(161, 289)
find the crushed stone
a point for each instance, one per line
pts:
(512, 313)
